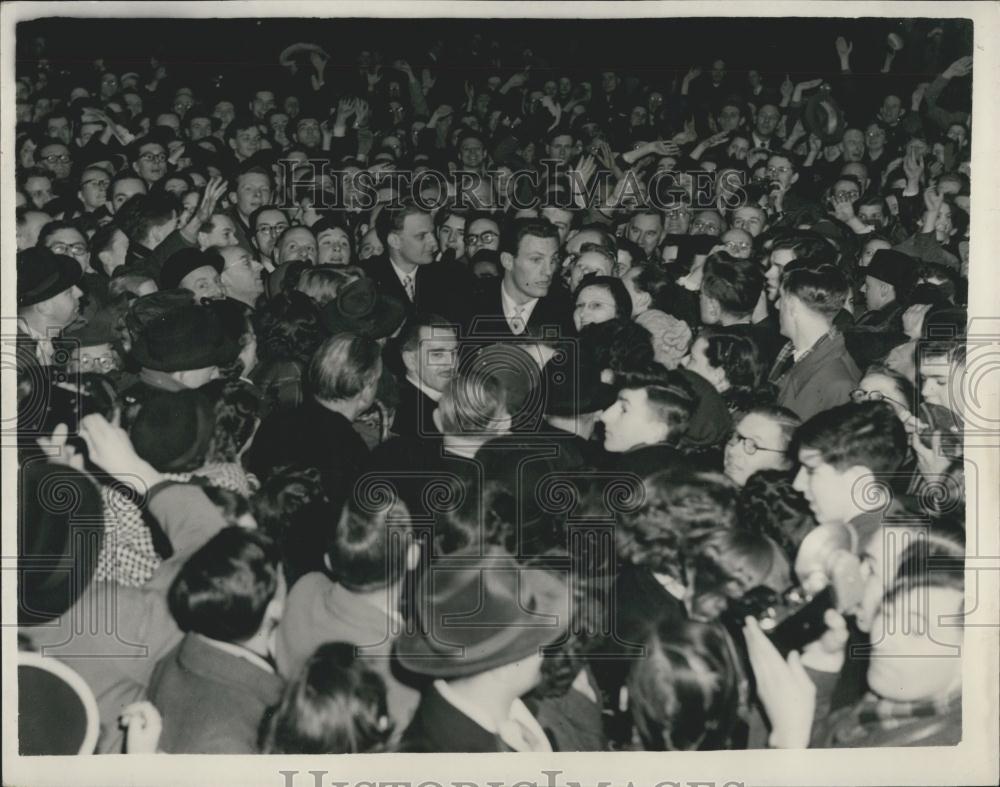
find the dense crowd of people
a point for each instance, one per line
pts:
(470, 405)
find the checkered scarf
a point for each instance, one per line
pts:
(128, 556)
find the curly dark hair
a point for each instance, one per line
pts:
(739, 357)
(288, 327)
(292, 507)
(619, 345)
(238, 406)
(681, 508)
(768, 504)
(667, 295)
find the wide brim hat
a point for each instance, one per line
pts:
(362, 310)
(824, 118)
(895, 268)
(43, 274)
(147, 308)
(59, 511)
(189, 337)
(100, 328)
(173, 430)
(477, 613)
(57, 710)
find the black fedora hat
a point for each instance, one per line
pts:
(824, 118)
(483, 613)
(43, 274)
(189, 337)
(181, 263)
(361, 309)
(56, 556)
(173, 430)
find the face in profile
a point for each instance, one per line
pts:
(756, 444)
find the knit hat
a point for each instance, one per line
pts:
(483, 613)
(59, 535)
(173, 430)
(190, 337)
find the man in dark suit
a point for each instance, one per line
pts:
(343, 379)
(428, 346)
(213, 688)
(524, 300)
(407, 270)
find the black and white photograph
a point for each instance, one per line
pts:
(590, 385)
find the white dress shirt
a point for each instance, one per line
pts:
(402, 275)
(512, 310)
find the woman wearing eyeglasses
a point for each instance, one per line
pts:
(760, 442)
(882, 384)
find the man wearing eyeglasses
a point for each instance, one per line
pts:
(266, 225)
(481, 232)
(65, 239)
(54, 157)
(149, 160)
(93, 191)
(782, 174)
(707, 222)
(739, 243)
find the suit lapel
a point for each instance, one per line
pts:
(385, 276)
